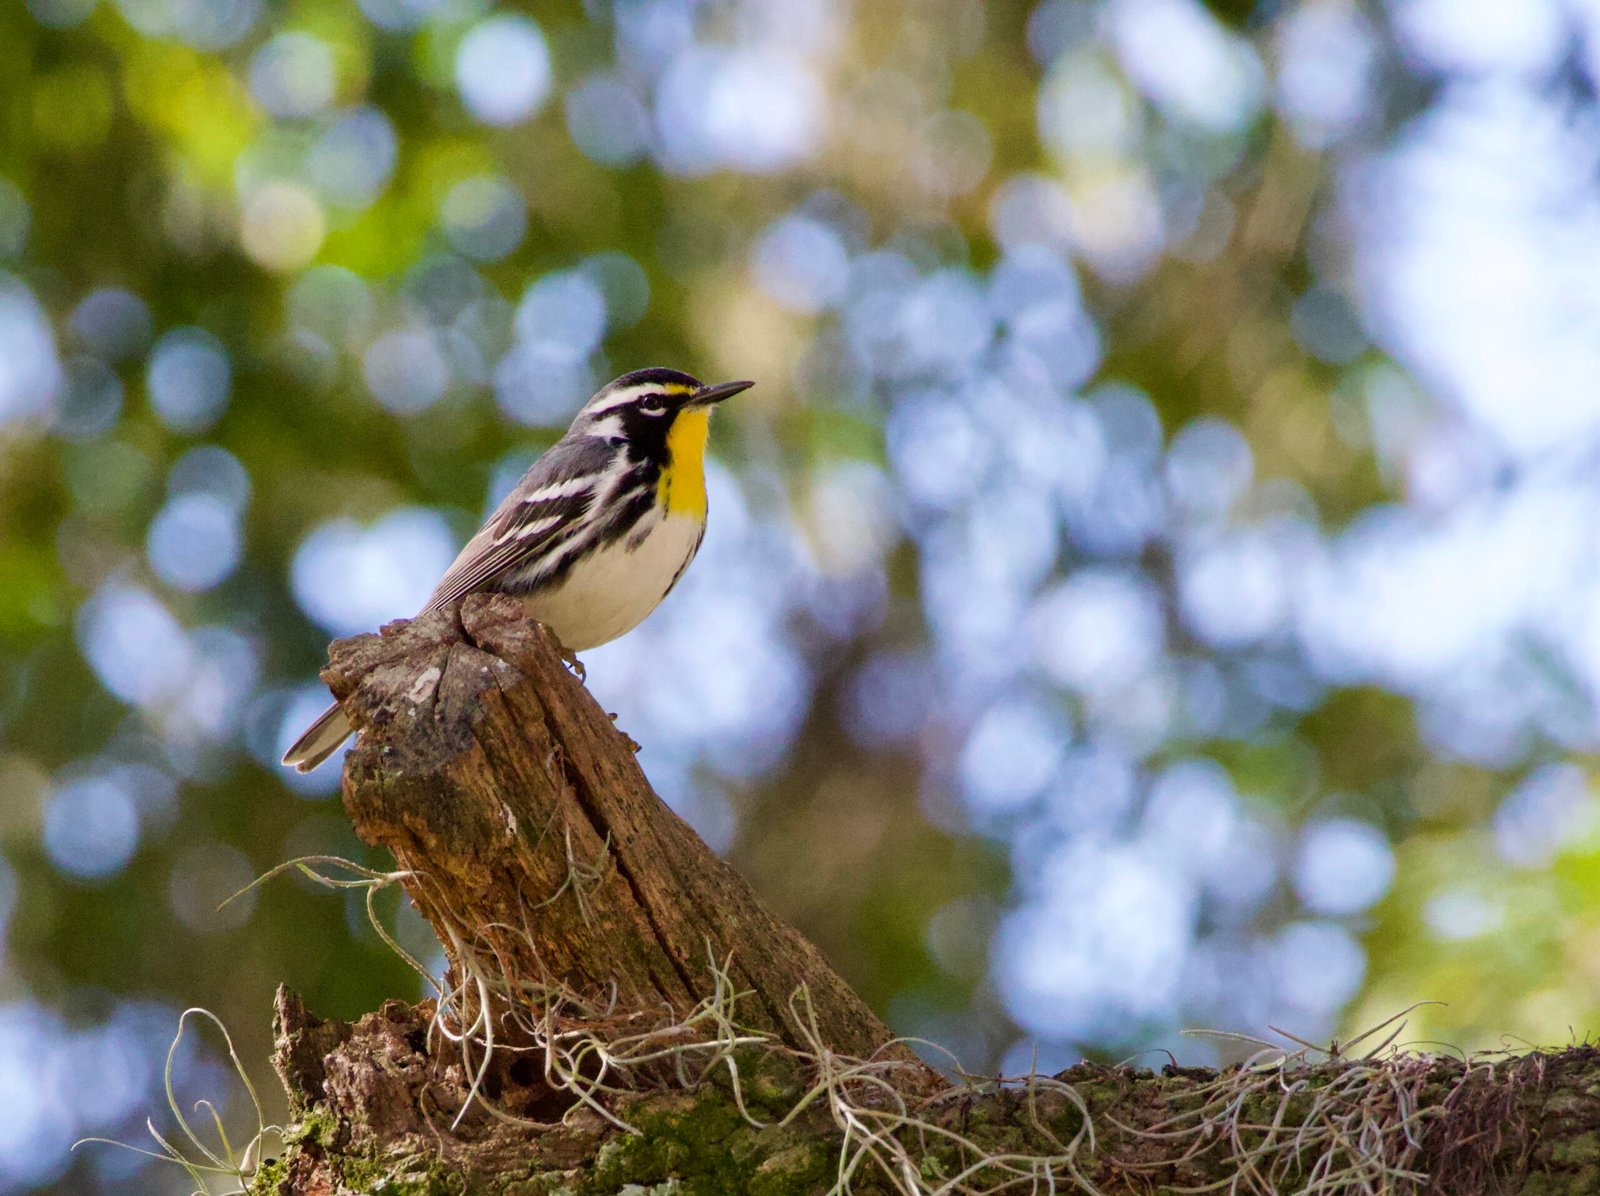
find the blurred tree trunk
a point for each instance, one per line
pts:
(656, 1029)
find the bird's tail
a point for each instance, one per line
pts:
(321, 739)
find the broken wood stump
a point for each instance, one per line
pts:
(535, 844)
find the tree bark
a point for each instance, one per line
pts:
(375, 1112)
(578, 912)
(536, 847)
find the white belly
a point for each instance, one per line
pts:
(610, 593)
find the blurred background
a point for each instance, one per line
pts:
(1154, 584)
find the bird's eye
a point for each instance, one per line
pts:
(654, 405)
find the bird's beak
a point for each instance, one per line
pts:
(708, 395)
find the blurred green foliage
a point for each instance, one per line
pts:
(138, 156)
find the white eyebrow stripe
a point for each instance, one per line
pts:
(633, 394)
(618, 399)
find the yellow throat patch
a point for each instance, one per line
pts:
(682, 486)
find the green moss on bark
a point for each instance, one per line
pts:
(378, 1114)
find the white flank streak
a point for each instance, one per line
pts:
(612, 590)
(601, 501)
(641, 530)
(604, 486)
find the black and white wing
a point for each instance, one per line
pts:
(547, 507)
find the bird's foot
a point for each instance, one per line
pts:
(574, 663)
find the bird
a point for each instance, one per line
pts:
(596, 533)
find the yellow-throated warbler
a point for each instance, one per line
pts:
(598, 530)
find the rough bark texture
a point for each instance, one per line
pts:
(373, 1111)
(534, 845)
(536, 842)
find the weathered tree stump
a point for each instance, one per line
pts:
(535, 842)
(532, 842)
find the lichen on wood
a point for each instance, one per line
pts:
(621, 1015)
(376, 1112)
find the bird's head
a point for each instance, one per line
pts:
(642, 408)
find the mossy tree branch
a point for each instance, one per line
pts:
(374, 1108)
